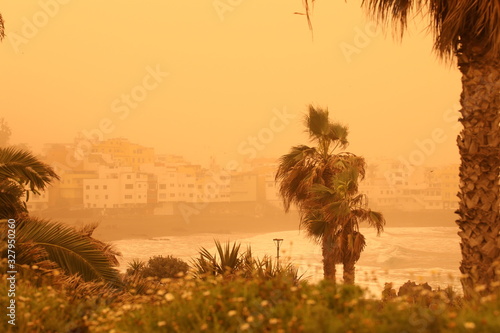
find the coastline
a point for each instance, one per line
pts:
(113, 228)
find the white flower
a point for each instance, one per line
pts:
(169, 297)
(469, 325)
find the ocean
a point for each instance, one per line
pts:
(420, 254)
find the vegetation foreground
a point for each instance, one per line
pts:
(239, 304)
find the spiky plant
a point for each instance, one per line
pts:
(227, 263)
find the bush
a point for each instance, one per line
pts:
(159, 267)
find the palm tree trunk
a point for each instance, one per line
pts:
(349, 271)
(479, 146)
(329, 268)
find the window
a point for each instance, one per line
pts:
(87, 187)
(172, 184)
(129, 186)
(105, 187)
(96, 187)
(106, 197)
(129, 176)
(172, 195)
(86, 197)
(128, 196)
(97, 196)
(163, 186)
(190, 185)
(163, 196)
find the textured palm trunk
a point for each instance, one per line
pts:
(349, 271)
(479, 146)
(329, 268)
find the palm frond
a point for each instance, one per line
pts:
(314, 224)
(23, 167)
(455, 24)
(10, 202)
(317, 123)
(338, 133)
(70, 250)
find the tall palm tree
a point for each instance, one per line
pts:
(21, 173)
(339, 204)
(304, 166)
(469, 32)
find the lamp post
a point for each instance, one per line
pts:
(278, 242)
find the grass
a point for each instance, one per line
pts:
(237, 304)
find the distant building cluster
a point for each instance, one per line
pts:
(116, 174)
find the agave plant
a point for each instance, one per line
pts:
(230, 260)
(265, 268)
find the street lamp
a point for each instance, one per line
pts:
(278, 242)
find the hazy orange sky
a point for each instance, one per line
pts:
(240, 76)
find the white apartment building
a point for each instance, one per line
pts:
(117, 188)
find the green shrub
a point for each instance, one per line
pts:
(159, 267)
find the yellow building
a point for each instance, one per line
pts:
(68, 192)
(125, 154)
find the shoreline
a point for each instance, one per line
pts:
(113, 228)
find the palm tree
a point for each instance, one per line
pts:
(340, 205)
(21, 172)
(45, 243)
(468, 31)
(304, 166)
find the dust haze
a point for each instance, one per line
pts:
(169, 118)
